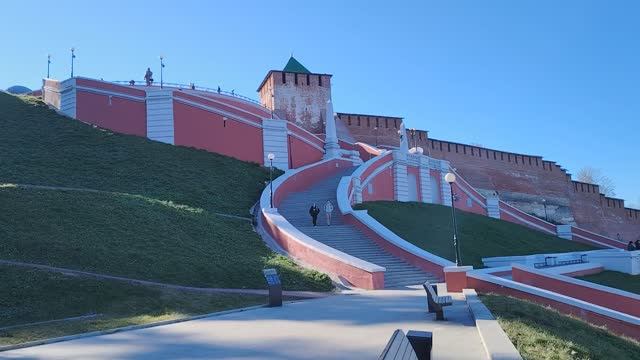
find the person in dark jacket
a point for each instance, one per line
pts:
(630, 247)
(638, 244)
(314, 211)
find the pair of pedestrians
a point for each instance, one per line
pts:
(314, 211)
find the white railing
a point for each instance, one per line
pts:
(231, 93)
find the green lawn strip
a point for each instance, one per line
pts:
(28, 296)
(140, 238)
(615, 279)
(428, 226)
(543, 333)
(40, 147)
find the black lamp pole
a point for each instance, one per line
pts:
(456, 243)
(48, 64)
(73, 56)
(161, 71)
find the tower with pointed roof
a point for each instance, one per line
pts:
(297, 95)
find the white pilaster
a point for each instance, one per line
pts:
(68, 97)
(564, 231)
(444, 186)
(493, 206)
(400, 185)
(160, 115)
(357, 190)
(331, 145)
(274, 140)
(425, 180)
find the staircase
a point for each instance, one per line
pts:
(345, 237)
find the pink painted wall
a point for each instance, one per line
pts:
(121, 115)
(101, 85)
(301, 153)
(607, 299)
(221, 106)
(416, 172)
(382, 185)
(203, 129)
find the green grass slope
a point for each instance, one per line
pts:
(31, 296)
(39, 147)
(615, 279)
(429, 227)
(155, 220)
(541, 333)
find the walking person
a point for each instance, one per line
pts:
(328, 209)
(314, 211)
(630, 246)
(148, 77)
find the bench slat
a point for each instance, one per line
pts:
(404, 347)
(392, 346)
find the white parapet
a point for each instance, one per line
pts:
(274, 141)
(493, 207)
(425, 180)
(564, 231)
(400, 182)
(160, 115)
(444, 186)
(68, 97)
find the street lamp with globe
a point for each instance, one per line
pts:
(450, 178)
(271, 156)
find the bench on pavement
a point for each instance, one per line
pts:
(436, 303)
(416, 345)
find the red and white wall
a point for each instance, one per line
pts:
(209, 121)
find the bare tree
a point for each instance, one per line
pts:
(596, 177)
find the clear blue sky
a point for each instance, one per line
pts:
(553, 78)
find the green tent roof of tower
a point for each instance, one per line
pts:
(294, 66)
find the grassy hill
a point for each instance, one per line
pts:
(31, 296)
(154, 220)
(541, 333)
(428, 226)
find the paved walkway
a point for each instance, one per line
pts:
(356, 325)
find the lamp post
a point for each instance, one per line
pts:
(544, 204)
(48, 64)
(271, 156)
(451, 178)
(161, 70)
(73, 56)
(376, 130)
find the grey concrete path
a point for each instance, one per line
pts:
(356, 325)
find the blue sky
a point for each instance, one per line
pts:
(550, 78)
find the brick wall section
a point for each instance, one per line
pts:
(296, 97)
(375, 130)
(521, 180)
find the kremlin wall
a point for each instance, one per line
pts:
(290, 123)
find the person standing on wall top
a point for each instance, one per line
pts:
(314, 211)
(328, 209)
(630, 246)
(148, 77)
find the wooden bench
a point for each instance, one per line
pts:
(416, 345)
(436, 303)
